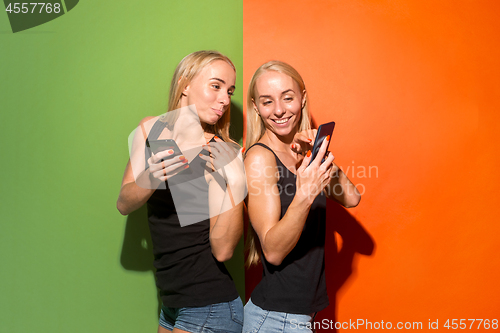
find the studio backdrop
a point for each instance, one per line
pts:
(412, 86)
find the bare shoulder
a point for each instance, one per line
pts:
(260, 155)
(148, 122)
(145, 126)
(257, 160)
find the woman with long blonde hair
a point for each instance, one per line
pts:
(287, 202)
(193, 196)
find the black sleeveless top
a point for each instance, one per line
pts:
(187, 273)
(298, 284)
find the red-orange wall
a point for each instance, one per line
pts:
(414, 87)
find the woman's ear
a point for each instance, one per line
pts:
(182, 82)
(255, 107)
(304, 94)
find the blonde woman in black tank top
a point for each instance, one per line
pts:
(197, 292)
(287, 202)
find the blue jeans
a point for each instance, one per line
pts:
(264, 321)
(226, 317)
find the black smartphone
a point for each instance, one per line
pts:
(157, 146)
(324, 130)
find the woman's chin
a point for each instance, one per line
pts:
(211, 121)
(283, 131)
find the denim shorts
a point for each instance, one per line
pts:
(264, 321)
(226, 317)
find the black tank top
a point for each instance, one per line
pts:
(187, 273)
(298, 284)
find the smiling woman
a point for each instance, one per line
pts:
(287, 222)
(280, 106)
(293, 80)
(197, 291)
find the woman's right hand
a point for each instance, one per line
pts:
(162, 170)
(313, 178)
(303, 141)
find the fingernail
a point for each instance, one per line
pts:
(186, 166)
(216, 137)
(308, 153)
(328, 138)
(170, 151)
(242, 150)
(185, 161)
(182, 157)
(310, 140)
(293, 145)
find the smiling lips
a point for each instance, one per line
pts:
(281, 121)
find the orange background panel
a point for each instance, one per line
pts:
(414, 87)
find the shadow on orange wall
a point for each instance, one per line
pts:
(341, 252)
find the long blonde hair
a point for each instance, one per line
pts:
(256, 129)
(186, 70)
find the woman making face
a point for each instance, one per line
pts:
(190, 244)
(211, 92)
(287, 202)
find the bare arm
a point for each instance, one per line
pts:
(131, 196)
(278, 236)
(139, 184)
(226, 228)
(227, 190)
(341, 189)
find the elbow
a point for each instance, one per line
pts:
(273, 258)
(353, 202)
(222, 255)
(121, 208)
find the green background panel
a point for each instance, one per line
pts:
(71, 91)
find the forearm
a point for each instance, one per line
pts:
(341, 189)
(132, 197)
(228, 226)
(280, 239)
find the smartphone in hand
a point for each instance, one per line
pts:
(323, 131)
(157, 146)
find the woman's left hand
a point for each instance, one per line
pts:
(303, 141)
(226, 159)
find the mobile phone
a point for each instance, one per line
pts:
(323, 131)
(157, 146)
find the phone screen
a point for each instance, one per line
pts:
(323, 131)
